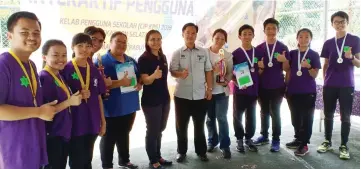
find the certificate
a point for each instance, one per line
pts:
(243, 75)
(120, 70)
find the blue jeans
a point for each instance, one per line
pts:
(217, 109)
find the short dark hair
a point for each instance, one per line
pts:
(116, 34)
(271, 21)
(91, 30)
(341, 14)
(244, 27)
(220, 31)
(190, 24)
(13, 19)
(305, 30)
(48, 44)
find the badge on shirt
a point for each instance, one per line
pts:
(95, 82)
(200, 57)
(183, 56)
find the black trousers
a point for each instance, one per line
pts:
(81, 151)
(244, 104)
(270, 101)
(117, 133)
(58, 151)
(156, 118)
(184, 109)
(302, 108)
(345, 97)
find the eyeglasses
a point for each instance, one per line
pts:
(94, 39)
(343, 22)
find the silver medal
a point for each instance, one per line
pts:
(339, 60)
(252, 69)
(270, 64)
(299, 73)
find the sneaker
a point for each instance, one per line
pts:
(240, 147)
(203, 157)
(293, 144)
(226, 153)
(156, 166)
(261, 141)
(162, 161)
(324, 147)
(211, 148)
(251, 146)
(128, 166)
(301, 150)
(275, 147)
(344, 154)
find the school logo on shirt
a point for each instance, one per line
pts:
(276, 55)
(56, 83)
(75, 76)
(308, 61)
(183, 56)
(24, 81)
(95, 82)
(255, 60)
(200, 57)
(346, 48)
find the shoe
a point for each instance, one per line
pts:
(156, 166)
(240, 147)
(128, 165)
(211, 148)
(344, 153)
(203, 157)
(226, 153)
(275, 147)
(162, 161)
(181, 157)
(293, 144)
(261, 141)
(251, 146)
(301, 150)
(324, 147)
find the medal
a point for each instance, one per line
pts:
(339, 60)
(270, 64)
(299, 73)
(339, 52)
(249, 59)
(252, 69)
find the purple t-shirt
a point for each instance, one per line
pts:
(61, 124)
(340, 75)
(306, 83)
(239, 57)
(85, 117)
(22, 142)
(272, 77)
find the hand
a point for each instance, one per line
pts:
(47, 111)
(185, 73)
(85, 94)
(216, 69)
(348, 54)
(103, 128)
(244, 88)
(208, 94)
(261, 64)
(223, 84)
(157, 73)
(305, 64)
(125, 80)
(138, 86)
(108, 81)
(282, 57)
(75, 99)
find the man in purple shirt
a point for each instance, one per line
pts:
(22, 129)
(272, 85)
(341, 54)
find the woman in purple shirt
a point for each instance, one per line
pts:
(302, 65)
(342, 54)
(54, 88)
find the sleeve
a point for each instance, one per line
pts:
(356, 47)
(4, 84)
(175, 61)
(315, 62)
(136, 68)
(325, 53)
(207, 64)
(143, 66)
(285, 48)
(101, 83)
(48, 89)
(229, 67)
(289, 57)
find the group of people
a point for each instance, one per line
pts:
(79, 102)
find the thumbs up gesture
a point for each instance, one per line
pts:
(261, 63)
(47, 111)
(282, 57)
(348, 53)
(125, 80)
(157, 73)
(75, 99)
